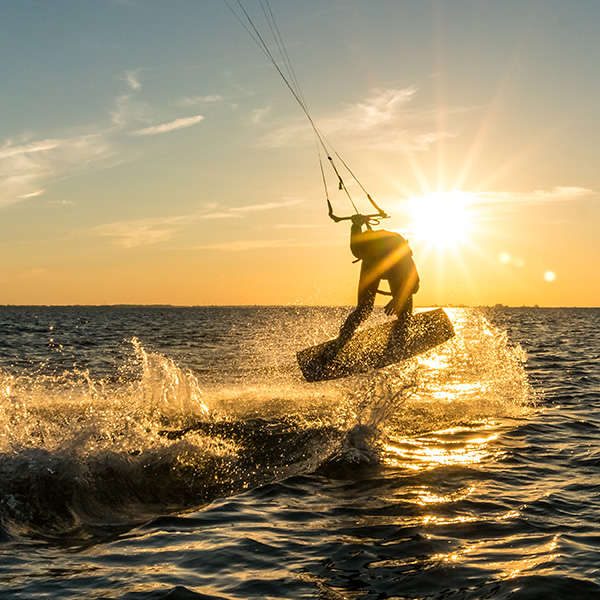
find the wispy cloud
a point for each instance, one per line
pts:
(10, 150)
(128, 107)
(171, 126)
(380, 108)
(266, 206)
(259, 115)
(29, 165)
(132, 79)
(245, 245)
(387, 119)
(297, 226)
(26, 167)
(131, 111)
(200, 100)
(142, 232)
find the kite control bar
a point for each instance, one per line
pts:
(374, 218)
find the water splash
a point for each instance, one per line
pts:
(166, 390)
(474, 381)
(76, 452)
(475, 377)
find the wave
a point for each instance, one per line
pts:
(81, 456)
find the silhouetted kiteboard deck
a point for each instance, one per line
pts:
(376, 347)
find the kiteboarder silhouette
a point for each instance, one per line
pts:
(384, 255)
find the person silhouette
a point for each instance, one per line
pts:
(384, 255)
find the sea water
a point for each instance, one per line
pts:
(161, 452)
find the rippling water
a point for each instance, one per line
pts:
(177, 453)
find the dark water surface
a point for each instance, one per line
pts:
(178, 453)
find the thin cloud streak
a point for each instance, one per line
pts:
(297, 226)
(143, 232)
(266, 206)
(245, 245)
(196, 100)
(8, 150)
(171, 126)
(137, 233)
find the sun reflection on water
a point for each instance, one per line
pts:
(448, 432)
(435, 520)
(425, 496)
(542, 552)
(466, 389)
(436, 450)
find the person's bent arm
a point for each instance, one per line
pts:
(355, 235)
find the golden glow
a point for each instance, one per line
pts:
(433, 361)
(544, 553)
(428, 453)
(434, 520)
(427, 497)
(507, 568)
(441, 219)
(457, 445)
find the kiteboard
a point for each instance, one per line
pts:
(376, 347)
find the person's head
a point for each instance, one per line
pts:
(361, 220)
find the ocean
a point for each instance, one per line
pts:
(177, 453)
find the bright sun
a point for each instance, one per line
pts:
(441, 219)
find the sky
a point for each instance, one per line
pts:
(150, 153)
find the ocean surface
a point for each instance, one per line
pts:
(177, 453)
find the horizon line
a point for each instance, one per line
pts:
(159, 305)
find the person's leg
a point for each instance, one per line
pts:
(405, 312)
(399, 288)
(367, 291)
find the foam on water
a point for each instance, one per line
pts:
(77, 453)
